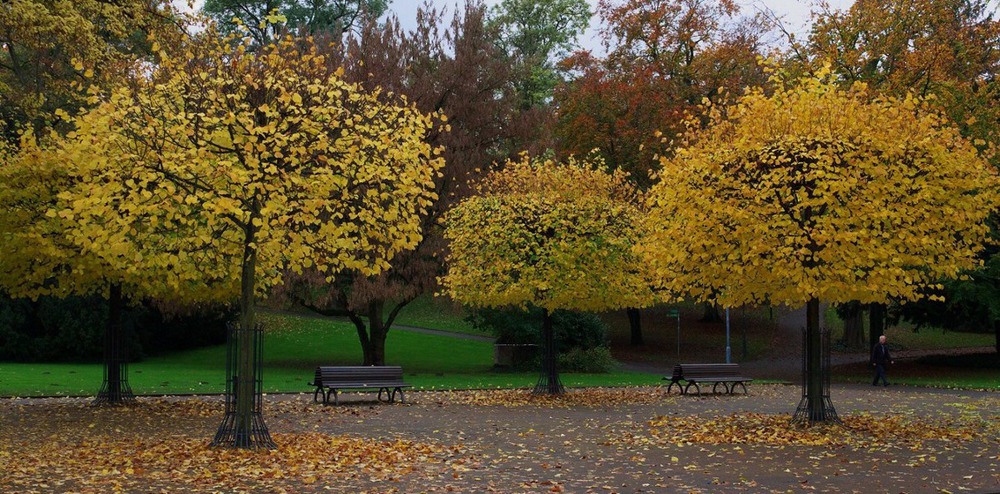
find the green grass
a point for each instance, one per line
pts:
(971, 371)
(928, 338)
(293, 347)
(428, 311)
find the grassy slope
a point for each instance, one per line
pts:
(294, 345)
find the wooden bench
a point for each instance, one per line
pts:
(728, 375)
(386, 379)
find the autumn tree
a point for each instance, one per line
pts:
(246, 164)
(663, 58)
(548, 234)
(453, 69)
(940, 48)
(310, 16)
(54, 55)
(40, 260)
(818, 193)
(51, 50)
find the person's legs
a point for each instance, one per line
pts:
(880, 374)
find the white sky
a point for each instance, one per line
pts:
(794, 13)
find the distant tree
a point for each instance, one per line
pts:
(53, 50)
(455, 70)
(819, 193)
(547, 234)
(309, 16)
(535, 34)
(663, 58)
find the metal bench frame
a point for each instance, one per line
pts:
(728, 375)
(329, 380)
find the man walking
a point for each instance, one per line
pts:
(880, 359)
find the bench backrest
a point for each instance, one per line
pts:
(707, 370)
(369, 374)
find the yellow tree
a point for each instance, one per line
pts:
(50, 49)
(41, 260)
(553, 235)
(816, 193)
(230, 165)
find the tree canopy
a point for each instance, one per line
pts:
(50, 50)
(819, 192)
(554, 235)
(235, 165)
(307, 16)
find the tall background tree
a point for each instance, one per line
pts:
(818, 193)
(533, 37)
(663, 58)
(305, 16)
(454, 69)
(253, 163)
(51, 50)
(558, 236)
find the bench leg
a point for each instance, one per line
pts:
(715, 387)
(336, 400)
(402, 399)
(388, 394)
(733, 388)
(687, 389)
(316, 394)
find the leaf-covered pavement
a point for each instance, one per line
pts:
(894, 439)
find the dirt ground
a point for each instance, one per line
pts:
(894, 439)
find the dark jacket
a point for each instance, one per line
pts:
(880, 354)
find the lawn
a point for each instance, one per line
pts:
(293, 347)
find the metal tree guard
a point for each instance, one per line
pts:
(548, 381)
(802, 412)
(115, 389)
(244, 430)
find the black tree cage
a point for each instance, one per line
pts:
(115, 388)
(243, 424)
(805, 413)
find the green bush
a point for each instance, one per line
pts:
(72, 329)
(597, 360)
(515, 326)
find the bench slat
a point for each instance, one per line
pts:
(693, 374)
(388, 379)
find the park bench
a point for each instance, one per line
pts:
(728, 375)
(386, 379)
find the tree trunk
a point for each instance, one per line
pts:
(996, 331)
(378, 332)
(244, 380)
(635, 326)
(549, 382)
(876, 323)
(243, 424)
(368, 358)
(711, 314)
(814, 367)
(853, 325)
(115, 389)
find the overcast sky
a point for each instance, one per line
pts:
(794, 13)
